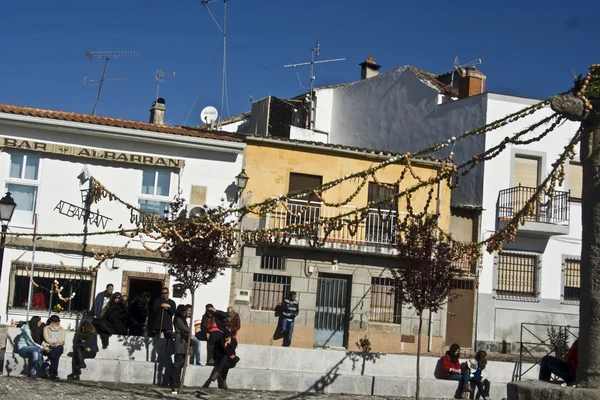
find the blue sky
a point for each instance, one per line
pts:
(528, 48)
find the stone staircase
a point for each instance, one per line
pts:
(131, 359)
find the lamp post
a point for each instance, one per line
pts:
(7, 208)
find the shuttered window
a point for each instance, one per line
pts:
(527, 171)
(305, 181)
(572, 273)
(575, 181)
(517, 276)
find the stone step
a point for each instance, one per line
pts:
(139, 372)
(137, 348)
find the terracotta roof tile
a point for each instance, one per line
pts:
(119, 123)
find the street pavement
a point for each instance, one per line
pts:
(22, 388)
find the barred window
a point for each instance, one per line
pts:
(385, 301)
(268, 291)
(572, 280)
(517, 276)
(272, 262)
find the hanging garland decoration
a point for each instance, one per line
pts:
(58, 291)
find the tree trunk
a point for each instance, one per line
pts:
(186, 359)
(588, 372)
(419, 356)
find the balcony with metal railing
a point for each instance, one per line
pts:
(549, 216)
(375, 234)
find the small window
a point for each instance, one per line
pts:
(155, 193)
(575, 181)
(385, 301)
(517, 276)
(272, 263)
(23, 183)
(80, 283)
(268, 291)
(572, 271)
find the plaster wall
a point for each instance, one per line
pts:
(398, 111)
(501, 319)
(215, 170)
(308, 135)
(324, 108)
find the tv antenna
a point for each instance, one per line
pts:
(314, 59)
(457, 66)
(107, 55)
(160, 77)
(224, 32)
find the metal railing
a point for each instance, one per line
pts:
(548, 210)
(535, 343)
(385, 302)
(379, 227)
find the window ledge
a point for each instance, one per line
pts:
(570, 302)
(524, 299)
(384, 323)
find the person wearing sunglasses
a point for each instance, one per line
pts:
(164, 310)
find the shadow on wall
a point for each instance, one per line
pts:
(12, 363)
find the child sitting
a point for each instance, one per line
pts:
(478, 377)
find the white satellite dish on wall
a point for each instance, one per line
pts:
(209, 115)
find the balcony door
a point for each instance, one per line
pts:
(306, 208)
(526, 178)
(381, 221)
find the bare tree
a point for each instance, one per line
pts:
(198, 251)
(424, 270)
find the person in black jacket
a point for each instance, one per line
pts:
(214, 328)
(114, 320)
(182, 338)
(138, 314)
(164, 310)
(85, 345)
(225, 359)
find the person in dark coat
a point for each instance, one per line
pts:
(213, 328)
(138, 314)
(182, 337)
(114, 320)
(164, 310)
(225, 359)
(85, 345)
(101, 301)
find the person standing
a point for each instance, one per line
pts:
(101, 301)
(85, 346)
(233, 322)
(290, 308)
(164, 310)
(182, 336)
(138, 314)
(54, 340)
(28, 348)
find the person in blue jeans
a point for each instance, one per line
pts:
(28, 348)
(290, 308)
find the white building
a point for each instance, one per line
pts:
(145, 164)
(536, 279)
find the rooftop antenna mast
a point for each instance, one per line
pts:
(160, 77)
(224, 32)
(107, 55)
(457, 66)
(314, 59)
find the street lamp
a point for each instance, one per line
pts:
(241, 180)
(7, 208)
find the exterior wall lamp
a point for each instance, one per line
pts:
(7, 208)
(241, 181)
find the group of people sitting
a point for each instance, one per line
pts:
(472, 375)
(38, 340)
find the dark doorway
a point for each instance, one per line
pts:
(137, 286)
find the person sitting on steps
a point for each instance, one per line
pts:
(225, 359)
(563, 369)
(85, 345)
(54, 341)
(479, 375)
(451, 369)
(28, 348)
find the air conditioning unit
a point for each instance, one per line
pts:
(242, 295)
(194, 210)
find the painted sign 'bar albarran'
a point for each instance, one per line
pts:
(88, 152)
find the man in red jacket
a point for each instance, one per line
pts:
(452, 370)
(563, 369)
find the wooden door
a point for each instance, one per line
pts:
(459, 325)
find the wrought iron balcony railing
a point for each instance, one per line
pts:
(548, 210)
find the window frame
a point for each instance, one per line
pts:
(21, 180)
(154, 197)
(573, 198)
(565, 259)
(518, 296)
(397, 317)
(286, 282)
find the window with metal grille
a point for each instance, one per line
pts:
(268, 291)
(272, 263)
(385, 302)
(517, 276)
(572, 280)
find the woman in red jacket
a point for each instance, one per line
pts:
(453, 371)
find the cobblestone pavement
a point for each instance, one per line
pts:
(21, 388)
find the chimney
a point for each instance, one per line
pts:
(369, 68)
(157, 112)
(472, 82)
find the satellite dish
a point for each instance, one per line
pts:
(209, 115)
